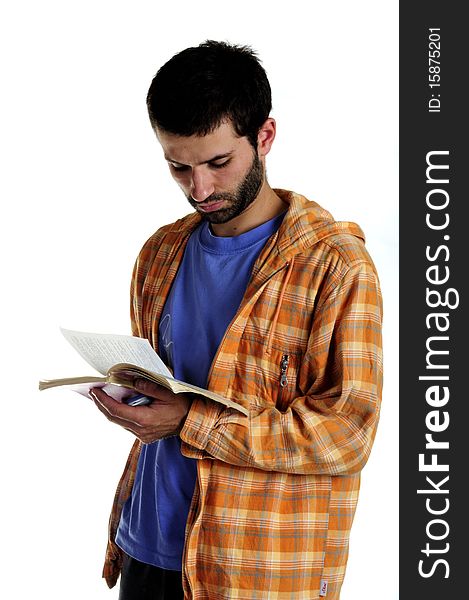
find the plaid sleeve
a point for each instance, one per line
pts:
(328, 430)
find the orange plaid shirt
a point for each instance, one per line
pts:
(276, 491)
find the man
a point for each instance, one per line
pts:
(258, 295)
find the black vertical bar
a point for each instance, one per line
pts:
(434, 358)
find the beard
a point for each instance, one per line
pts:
(237, 201)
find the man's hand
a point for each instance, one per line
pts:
(164, 417)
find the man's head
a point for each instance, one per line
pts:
(209, 107)
(202, 87)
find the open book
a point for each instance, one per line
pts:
(120, 359)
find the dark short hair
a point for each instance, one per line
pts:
(201, 87)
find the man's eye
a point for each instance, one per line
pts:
(178, 168)
(219, 165)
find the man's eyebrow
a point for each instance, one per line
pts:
(204, 162)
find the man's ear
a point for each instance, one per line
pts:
(266, 136)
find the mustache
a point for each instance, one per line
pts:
(212, 198)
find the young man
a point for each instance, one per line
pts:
(260, 296)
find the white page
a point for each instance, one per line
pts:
(102, 351)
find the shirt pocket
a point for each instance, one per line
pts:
(272, 376)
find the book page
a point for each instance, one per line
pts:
(102, 351)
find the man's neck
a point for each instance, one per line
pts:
(266, 206)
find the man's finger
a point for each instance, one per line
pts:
(116, 410)
(152, 390)
(131, 427)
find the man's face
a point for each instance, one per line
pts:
(219, 173)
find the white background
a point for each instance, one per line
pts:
(84, 184)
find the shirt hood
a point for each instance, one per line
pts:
(306, 223)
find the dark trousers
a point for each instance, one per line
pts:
(140, 581)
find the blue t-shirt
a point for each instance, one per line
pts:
(205, 295)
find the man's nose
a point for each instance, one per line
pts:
(201, 185)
